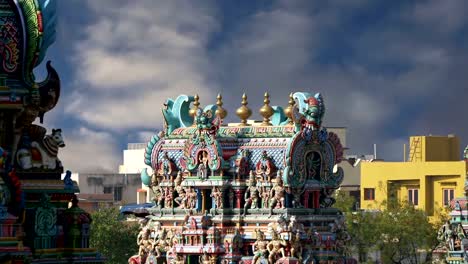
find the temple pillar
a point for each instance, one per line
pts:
(199, 200)
(231, 199)
(203, 194)
(306, 199)
(239, 193)
(316, 199)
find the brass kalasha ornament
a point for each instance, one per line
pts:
(193, 111)
(288, 111)
(266, 111)
(244, 112)
(220, 111)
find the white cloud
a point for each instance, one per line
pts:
(90, 151)
(133, 57)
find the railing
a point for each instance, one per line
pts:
(136, 145)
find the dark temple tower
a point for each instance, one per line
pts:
(37, 225)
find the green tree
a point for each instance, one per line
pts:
(361, 226)
(404, 231)
(115, 239)
(399, 232)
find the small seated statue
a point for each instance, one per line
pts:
(265, 167)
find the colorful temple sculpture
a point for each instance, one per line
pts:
(37, 224)
(453, 246)
(258, 192)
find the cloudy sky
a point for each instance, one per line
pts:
(386, 69)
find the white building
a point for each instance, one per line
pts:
(134, 162)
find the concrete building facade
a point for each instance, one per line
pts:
(431, 177)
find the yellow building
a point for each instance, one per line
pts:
(432, 175)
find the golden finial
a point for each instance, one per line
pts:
(266, 111)
(220, 110)
(193, 111)
(289, 110)
(244, 112)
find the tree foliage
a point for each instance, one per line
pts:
(399, 233)
(115, 239)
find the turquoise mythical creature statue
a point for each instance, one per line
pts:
(309, 111)
(175, 113)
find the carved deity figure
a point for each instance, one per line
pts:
(179, 259)
(314, 237)
(203, 167)
(279, 226)
(166, 167)
(295, 227)
(265, 194)
(158, 191)
(449, 236)
(181, 198)
(207, 259)
(260, 247)
(275, 247)
(161, 245)
(169, 196)
(277, 194)
(191, 197)
(265, 167)
(296, 246)
(218, 197)
(251, 195)
(144, 242)
(242, 163)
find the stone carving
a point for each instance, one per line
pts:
(260, 247)
(158, 192)
(265, 194)
(45, 218)
(465, 153)
(166, 167)
(191, 198)
(279, 226)
(296, 246)
(181, 198)
(169, 196)
(277, 194)
(43, 153)
(276, 247)
(161, 244)
(251, 195)
(295, 227)
(265, 167)
(218, 197)
(67, 180)
(242, 163)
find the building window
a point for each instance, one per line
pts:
(107, 190)
(117, 193)
(369, 194)
(449, 194)
(413, 196)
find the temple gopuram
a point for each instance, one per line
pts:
(252, 192)
(453, 246)
(40, 221)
